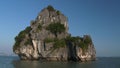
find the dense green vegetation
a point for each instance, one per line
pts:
(48, 40)
(56, 28)
(87, 40)
(59, 43)
(21, 37)
(73, 39)
(28, 41)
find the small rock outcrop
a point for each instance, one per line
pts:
(47, 38)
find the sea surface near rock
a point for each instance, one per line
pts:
(102, 62)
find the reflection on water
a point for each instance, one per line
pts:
(25, 64)
(37, 64)
(100, 63)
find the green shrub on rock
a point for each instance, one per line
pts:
(56, 28)
(21, 36)
(59, 43)
(48, 40)
(50, 8)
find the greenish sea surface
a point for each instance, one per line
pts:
(101, 62)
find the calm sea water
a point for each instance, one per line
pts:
(102, 62)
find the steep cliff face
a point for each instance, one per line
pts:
(47, 38)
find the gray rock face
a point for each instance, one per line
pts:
(33, 45)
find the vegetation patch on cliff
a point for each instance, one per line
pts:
(56, 28)
(48, 40)
(79, 41)
(59, 43)
(21, 37)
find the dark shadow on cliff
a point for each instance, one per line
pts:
(72, 56)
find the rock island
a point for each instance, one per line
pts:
(47, 38)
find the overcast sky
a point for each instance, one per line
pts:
(98, 18)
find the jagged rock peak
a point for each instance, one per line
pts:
(50, 15)
(47, 16)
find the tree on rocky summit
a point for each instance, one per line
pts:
(50, 8)
(56, 28)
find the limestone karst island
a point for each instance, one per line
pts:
(47, 38)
